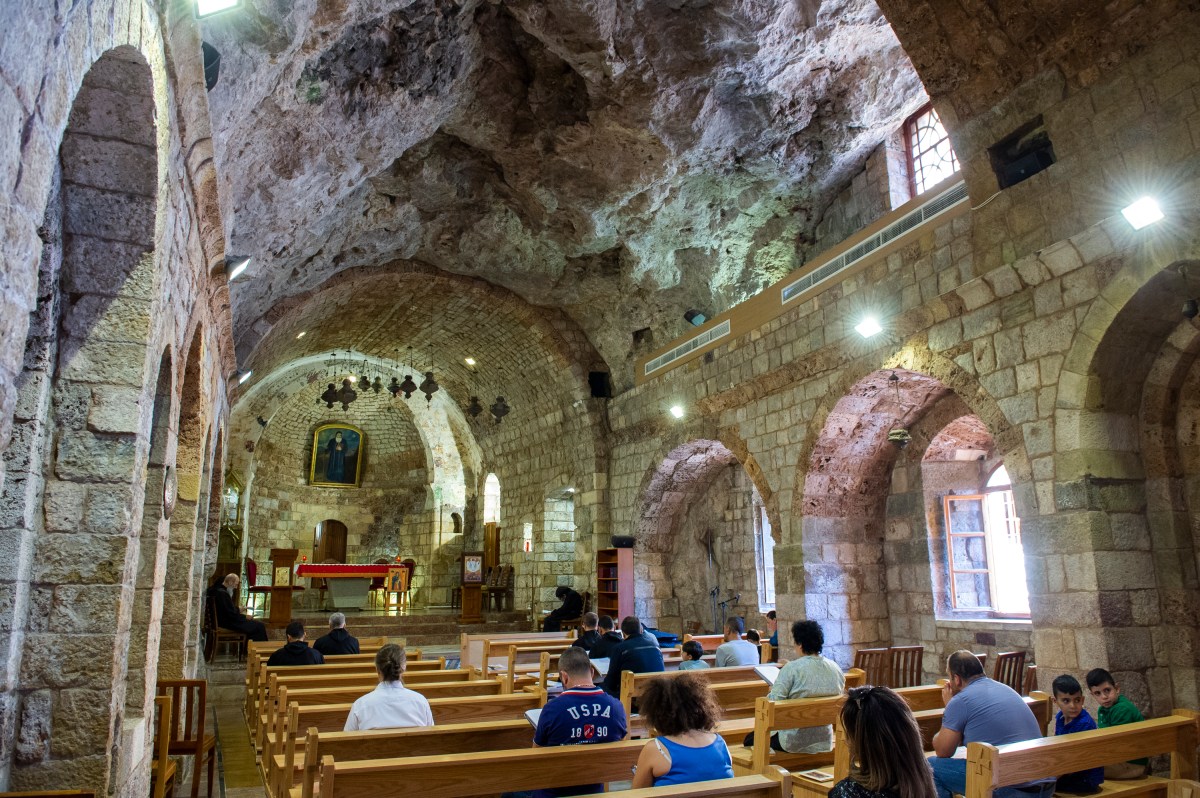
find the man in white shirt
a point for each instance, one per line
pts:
(735, 650)
(390, 705)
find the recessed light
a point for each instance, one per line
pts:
(206, 8)
(1144, 211)
(234, 266)
(677, 411)
(301, 334)
(352, 378)
(470, 361)
(868, 327)
(243, 376)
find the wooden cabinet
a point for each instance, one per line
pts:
(614, 583)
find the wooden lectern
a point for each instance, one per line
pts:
(472, 587)
(283, 574)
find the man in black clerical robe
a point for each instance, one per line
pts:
(338, 641)
(572, 607)
(228, 615)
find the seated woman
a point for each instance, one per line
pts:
(683, 714)
(390, 705)
(887, 760)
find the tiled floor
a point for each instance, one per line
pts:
(240, 776)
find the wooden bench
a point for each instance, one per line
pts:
(455, 738)
(446, 711)
(990, 767)
(481, 773)
(633, 685)
(710, 643)
(348, 672)
(472, 647)
(772, 786)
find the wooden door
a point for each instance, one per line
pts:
(329, 541)
(491, 545)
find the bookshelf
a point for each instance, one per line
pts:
(614, 583)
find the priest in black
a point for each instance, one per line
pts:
(572, 607)
(228, 615)
(296, 652)
(338, 641)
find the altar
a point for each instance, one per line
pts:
(349, 585)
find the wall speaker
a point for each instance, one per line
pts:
(623, 541)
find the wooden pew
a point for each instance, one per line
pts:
(990, 767)
(349, 673)
(482, 773)
(465, 775)
(446, 711)
(634, 684)
(472, 646)
(455, 738)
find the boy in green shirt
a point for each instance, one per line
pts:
(1115, 710)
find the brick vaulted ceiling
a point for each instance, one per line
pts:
(618, 162)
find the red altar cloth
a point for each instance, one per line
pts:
(336, 570)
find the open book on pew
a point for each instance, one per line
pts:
(768, 673)
(532, 715)
(601, 666)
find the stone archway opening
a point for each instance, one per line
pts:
(699, 534)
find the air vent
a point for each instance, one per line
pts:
(905, 224)
(687, 347)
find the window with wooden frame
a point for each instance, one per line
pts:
(931, 158)
(985, 558)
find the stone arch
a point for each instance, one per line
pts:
(847, 474)
(681, 478)
(95, 381)
(1123, 424)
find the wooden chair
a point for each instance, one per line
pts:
(189, 707)
(378, 583)
(906, 666)
(1031, 680)
(215, 636)
(876, 662)
(1010, 669)
(982, 660)
(162, 769)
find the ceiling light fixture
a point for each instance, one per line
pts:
(1142, 212)
(868, 326)
(206, 8)
(301, 334)
(235, 265)
(469, 361)
(242, 376)
(677, 411)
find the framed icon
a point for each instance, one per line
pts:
(337, 456)
(472, 568)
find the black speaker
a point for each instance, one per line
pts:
(623, 541)
(600, 384)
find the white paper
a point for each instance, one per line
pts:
(532, 716)
(601, 665)
(768, 673)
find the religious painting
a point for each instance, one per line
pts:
(337, 456)
(472, 568)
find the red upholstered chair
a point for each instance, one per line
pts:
(256, 594)
(378, 583)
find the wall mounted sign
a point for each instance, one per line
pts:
(337, 456)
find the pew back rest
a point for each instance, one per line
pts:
(634, 684)
(472, 647)
(990, 766)
(339, 695)
(479, 773)
(797, 713)
(777, 784)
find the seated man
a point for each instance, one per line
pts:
(572, 607)
(296, 652)
(808, 676)
(588, 636)
(638, 653)
(390, 705)
(338, 641)
(979, 709)
(580, 715)
(609, 639)
(735, 650)
(228, 614)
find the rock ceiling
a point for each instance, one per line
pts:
(620, 161)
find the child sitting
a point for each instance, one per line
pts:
(692, 652)
(753, 636)
(1071, 718)
(1115, 710)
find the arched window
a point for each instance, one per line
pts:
(930, 156)
(984, 552)
(491, 500)
(764, 556)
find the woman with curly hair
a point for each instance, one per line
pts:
(887, 759)
(683, 714)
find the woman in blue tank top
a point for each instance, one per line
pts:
(683, 713)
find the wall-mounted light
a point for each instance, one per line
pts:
(235, 265)
(868, 326)
(677, 411)
(301, 334)
(470, 361)
(206, 8)
(242, 376)
(1142, 212)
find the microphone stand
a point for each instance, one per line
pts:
(734, 599)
